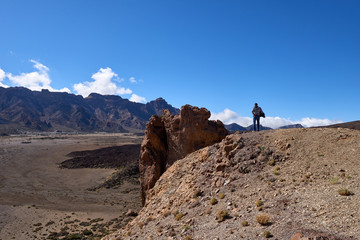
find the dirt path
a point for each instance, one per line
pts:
(37, 197)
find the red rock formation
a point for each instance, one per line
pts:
(169, 138)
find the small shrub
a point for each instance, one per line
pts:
(179, 216)
(49, 223)
(213, 201)
(222, 215)
(345, 192)
(141, 224)
(245, 223)
(159, 229)
(259, 203)
(188, 238)
(267, 234)
(271, 162)
(263, 219)
(197, 193)
(87, 232)
(275, 172)
(74, 236)
(221, 195)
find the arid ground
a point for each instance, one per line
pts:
(40, 200)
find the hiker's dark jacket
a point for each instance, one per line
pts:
(257, 111)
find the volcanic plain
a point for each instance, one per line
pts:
(40, 198)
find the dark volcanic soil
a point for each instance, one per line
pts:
(110, 157)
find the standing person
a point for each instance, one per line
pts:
(257, 113)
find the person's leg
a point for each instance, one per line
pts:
(258, 123)
(254, 123)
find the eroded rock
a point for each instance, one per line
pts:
(169, 138)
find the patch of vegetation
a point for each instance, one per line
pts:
(87, 232)
(222, 215)
(197, 193)
(179, 216)
(259, 203)
(345, 192)
(221, 195)
(74, 236)
(275, 172)
(267, 234)
(334, 180)
(263, 219)
(49, 223)
(186, 227)
(271, 162)
(245, 223)
(213, 201)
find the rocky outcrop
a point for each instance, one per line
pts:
(169, 138)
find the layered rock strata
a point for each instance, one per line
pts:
(169, 138)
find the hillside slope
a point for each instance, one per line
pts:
(288, 180)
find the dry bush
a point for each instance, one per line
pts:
(259, 203)
(222, 215)
(245, 223)
(263, 219)
(213, 201)
(267, 234)
(345, 192)
(221, 195)
(179, 216)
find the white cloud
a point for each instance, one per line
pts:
(37, 80)
(137, 99)
(102, 84)
(132, 80)
(2, 77)
(312, 122)
(228, 116)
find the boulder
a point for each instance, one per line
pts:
(171, 137)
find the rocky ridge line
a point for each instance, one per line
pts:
(282, 184)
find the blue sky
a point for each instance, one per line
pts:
(300, 60)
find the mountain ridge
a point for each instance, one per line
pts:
(21, 108)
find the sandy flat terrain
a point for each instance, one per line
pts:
(37, 197)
